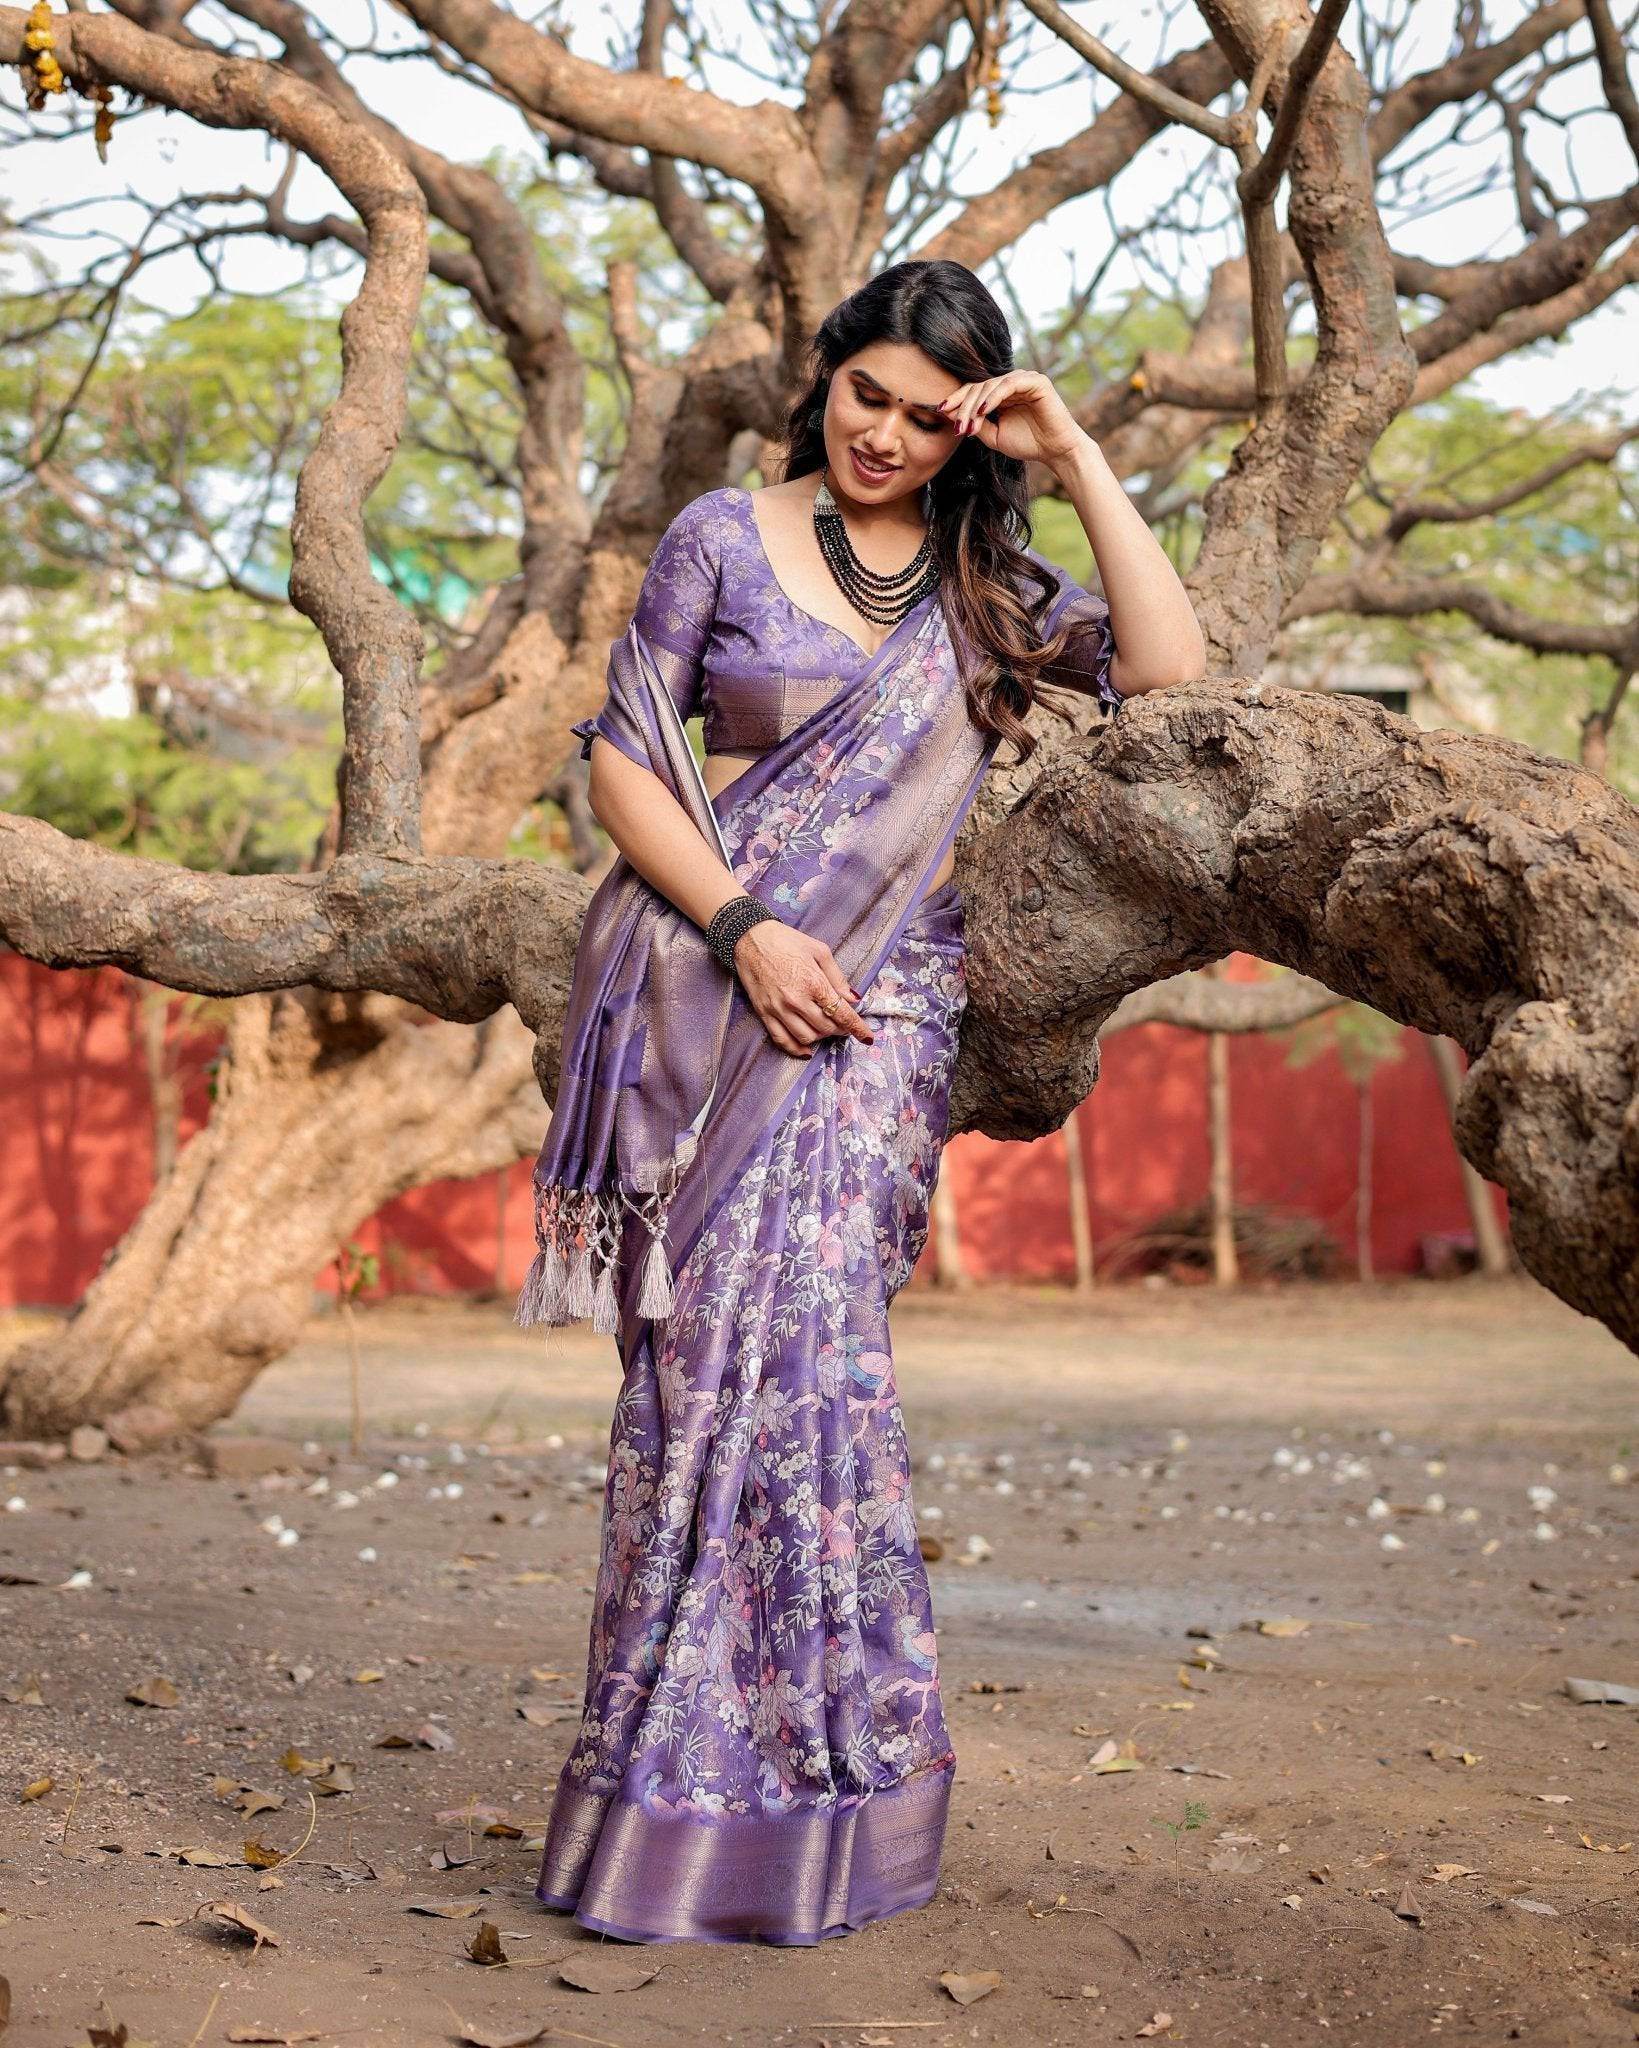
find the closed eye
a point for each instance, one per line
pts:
(927, 426)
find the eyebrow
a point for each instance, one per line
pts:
(916, 404)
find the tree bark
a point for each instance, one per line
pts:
(1458, 884)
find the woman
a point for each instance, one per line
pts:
(754, 1094)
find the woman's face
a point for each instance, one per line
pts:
(883, 437)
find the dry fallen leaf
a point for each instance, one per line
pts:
(1605, 1848)
(968, 1986)
(37, 1788)
(281, 2037)
(485, 1946)
(1161, 2024)
(1286, 1625)
(154, 1692)
(600, 1969)
(1443, 1873)
(250, 1800)
(234, 1915)
(446, 1909)
(27, 1694)
(1602, 1692)
(477, 2035)
(1408, 1906)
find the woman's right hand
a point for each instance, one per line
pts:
(787, 976)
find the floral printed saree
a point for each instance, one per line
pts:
(763, 1754)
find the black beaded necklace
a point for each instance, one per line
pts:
(884, 600)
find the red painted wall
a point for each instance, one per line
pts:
(78, 1152)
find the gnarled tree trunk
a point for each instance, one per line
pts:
(215, 1278)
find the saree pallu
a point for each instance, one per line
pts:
(763, 1754)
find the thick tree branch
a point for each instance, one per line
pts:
(1203, 1002)
(1465, 74)
(375, 644)
(993, 220)
(1316, 833)
(1413, 510)
(1612, 54)
(1368, 593)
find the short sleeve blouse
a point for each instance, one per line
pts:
(732, 646)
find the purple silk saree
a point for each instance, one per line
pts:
(763, 1754)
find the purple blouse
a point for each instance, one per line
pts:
(733, 646)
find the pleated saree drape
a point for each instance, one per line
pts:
(763, 1754)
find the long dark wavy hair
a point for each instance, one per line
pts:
(978, 514)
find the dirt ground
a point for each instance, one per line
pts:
(1398, 1824)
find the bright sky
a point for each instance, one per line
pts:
(158, 155)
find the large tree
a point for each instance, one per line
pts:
(1467, 885)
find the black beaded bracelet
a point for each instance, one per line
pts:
(731, 924)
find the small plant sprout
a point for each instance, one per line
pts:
(1195, 1814)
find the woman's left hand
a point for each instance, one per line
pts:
(1020, 415)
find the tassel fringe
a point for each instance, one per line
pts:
(573, 1274)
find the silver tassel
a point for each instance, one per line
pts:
(605, 1309)
(578, 1298)
(532, 1297)
(575, 1270)
(540, 1300)
(656, 1293)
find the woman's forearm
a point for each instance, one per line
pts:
(1157, 638)
(657, 835)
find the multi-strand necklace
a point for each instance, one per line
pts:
(884, 600)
